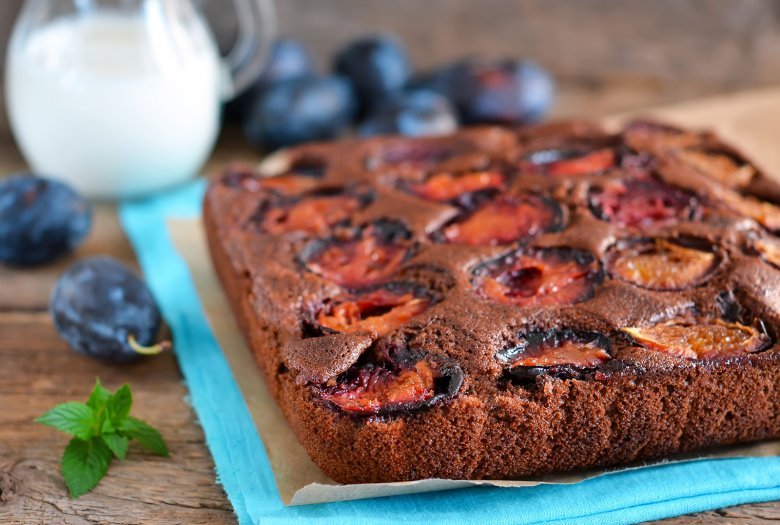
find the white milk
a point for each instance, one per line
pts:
(115, 104)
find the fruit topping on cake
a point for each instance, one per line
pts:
(504, 220)
(360, 256)
(447, 187)
(377, 310)
(661, 264)
(703, 339)
(642, 202)
(539, 277)
(570, 162)
(314, 213)
(388, 386)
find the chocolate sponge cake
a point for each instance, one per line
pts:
(501, 303)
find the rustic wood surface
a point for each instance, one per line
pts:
(39, 371)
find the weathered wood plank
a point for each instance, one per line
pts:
(39, 371)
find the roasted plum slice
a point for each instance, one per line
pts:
(295, 177)
(315, 213)
(700, 339)
(377, 310)
(388, 387)
(570, 162)
(449, 187)
(533, 277)
(560, 353)
(360, 256)
(503, 221)
(641, 202)
(662, 264)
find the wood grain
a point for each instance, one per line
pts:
(38, 371)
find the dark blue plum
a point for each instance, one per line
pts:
(40, 220)
(488, 91)
(287, 59)
(102, 309)
(414, 113)
(376, 65)
(300, 110)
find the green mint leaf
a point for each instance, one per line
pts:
(107, 427)
(84, 463)
(72, 418)
(118, 444)
(119, 405)
(145, 434)
(102, 428)
(99, 397)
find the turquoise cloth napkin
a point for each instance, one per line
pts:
(243, 468)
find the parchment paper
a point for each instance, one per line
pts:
(750, 121)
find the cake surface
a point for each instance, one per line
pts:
(498, 303)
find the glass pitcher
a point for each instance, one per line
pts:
(123, 97)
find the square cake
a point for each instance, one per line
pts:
(503, 303)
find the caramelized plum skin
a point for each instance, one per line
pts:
(570, 163)
(373, 389)
(505, 220)
(642, 202)
(660, 264)
(377, 312)
(551, 348)
(371, 254)
(288, 184)
(445, 187)
(300, 178)
(539, 277)
(703, 339)
(314, 214)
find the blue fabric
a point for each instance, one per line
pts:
(244, 470)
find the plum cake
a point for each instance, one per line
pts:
(503, 303)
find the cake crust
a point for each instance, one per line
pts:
(585, 222)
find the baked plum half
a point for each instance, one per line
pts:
(662, 264)
(360, 256)
(700, 339)
(560, 353)
(457, 187)
(316, 212)
(533, 277)
(642, 202)
(302, 174)
(408, 382)
(504, 220)
(377, 310)
(570, 162)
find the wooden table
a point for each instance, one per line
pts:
(37, 371)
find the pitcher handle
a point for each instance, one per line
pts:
(256, 29)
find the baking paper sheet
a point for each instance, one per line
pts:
(751, 121)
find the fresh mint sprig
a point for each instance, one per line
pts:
(102, 429)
